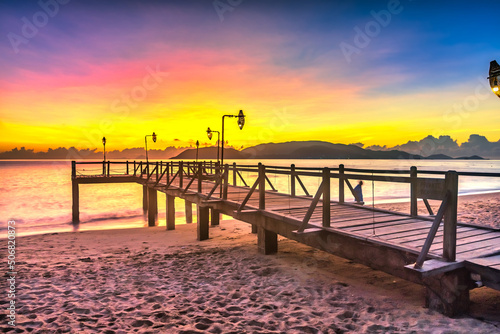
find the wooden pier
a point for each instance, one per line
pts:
(447, 257)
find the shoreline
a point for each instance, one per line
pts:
(482, 209)
(153, 280)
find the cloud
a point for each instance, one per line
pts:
(430, 145)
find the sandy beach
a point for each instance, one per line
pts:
(150, 280)
(480, 209)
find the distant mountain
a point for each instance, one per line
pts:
(439, 157)
(304, 150)
(320, 150)
(288, 150)
(474, 157)
(208, 153)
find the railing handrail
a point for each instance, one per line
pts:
(298, 169)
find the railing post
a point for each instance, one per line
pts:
(211, 168)
(234, 174)
(326, 197)
(341, 184)
(135, 170)
(226, 181)
(413, 191)
(168, 172)
(200, 174)
(181, 171)
(262, 186)
(75, 195)
(450, 217)
(157, 176)
(292, 180)
(127, 167)
(73, 170)
(188, 168)
(108, 168)
(104, 168)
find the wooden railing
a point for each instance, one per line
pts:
(187, 172)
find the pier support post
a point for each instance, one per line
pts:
(145, 198)
(267, 241)
(170, 212)
(153, 206)
(448, 293)
(189, 211)
(215, 217)
(203, 222)
(76, 202)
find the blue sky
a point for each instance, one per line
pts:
(416, 74)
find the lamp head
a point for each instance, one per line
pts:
(104, 140)
(154, 137)
(197, 144)
(241, 119)
(209, 133)
(494, 77)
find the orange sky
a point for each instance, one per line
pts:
(176, 71)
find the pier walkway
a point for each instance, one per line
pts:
(447, 257)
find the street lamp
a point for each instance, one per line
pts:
(494, 77)
(197, 146)
(241, 122)
(209, 134)
(146, 142)
(104, 144)
(104, 159)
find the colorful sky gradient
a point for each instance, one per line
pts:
(375, 72)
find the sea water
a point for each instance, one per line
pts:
(37, 194)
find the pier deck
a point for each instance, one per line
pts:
(436, 251)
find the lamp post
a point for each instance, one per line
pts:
(495, 77)
(209, 134)
(104, 144)
(197, 146)
(104, 158)
(146, 142)
(241, 122)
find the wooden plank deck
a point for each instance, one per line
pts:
(403, 230)
(354, 225)
(362, 221)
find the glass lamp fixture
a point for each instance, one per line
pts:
(241, 119)
(494, 77)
